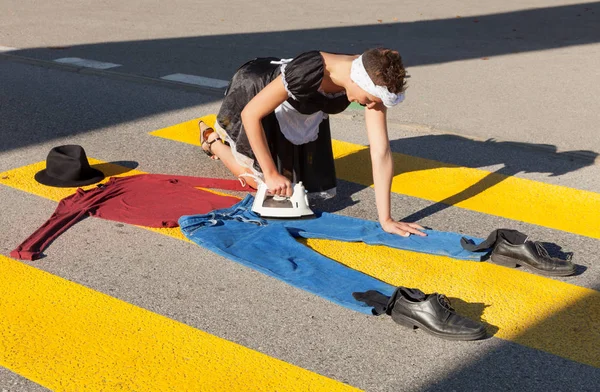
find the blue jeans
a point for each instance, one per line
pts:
(269, 247)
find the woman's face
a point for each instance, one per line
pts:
(360, 96)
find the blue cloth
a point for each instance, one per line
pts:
(269, 247)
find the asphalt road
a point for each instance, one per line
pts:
(521, 71)
(507, 88)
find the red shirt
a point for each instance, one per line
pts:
(153, 200)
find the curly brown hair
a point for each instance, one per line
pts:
(385, 68)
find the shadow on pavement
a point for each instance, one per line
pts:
(115, 168)
(450, 151)
(473, 311)
(420, 42)
(424, 42)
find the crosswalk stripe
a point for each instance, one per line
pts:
(86, 63)
(557, 207)
(65, 336)
(538, 312)
(197, 80)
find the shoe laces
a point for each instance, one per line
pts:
(541, 250)
(544, 253)
(445, 302)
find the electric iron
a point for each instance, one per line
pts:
(271, 206)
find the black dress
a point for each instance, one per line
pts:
(308, 157)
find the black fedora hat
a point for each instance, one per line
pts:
(68, 166)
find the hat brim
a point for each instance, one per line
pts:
(94, 175)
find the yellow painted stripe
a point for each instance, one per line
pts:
(185, 132)
(557, 207)
(67, 337)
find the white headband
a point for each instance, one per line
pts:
(359, 75)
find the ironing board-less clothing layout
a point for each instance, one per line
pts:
(269, 247)
(152, 200)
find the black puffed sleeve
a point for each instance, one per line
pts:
(303, 75)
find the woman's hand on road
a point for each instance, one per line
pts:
(402, 228)
(279, 185)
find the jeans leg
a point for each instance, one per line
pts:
(344, 228)
(272, 250)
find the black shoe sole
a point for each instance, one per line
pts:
(512, 263)
(411, 323)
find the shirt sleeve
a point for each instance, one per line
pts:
(67, 213)
(303, 75)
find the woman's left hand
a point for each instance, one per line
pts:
(402, 228)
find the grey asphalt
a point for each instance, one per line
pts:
(516, 70)
(531, 114)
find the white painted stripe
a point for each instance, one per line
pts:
(6, 48)
(86, 63)
(198, 80)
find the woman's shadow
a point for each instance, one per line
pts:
(438, 151)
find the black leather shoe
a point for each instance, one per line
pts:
(531, 255)
(435, 316)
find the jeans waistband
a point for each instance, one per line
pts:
(241, 212)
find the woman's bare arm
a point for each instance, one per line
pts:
(265, 102)
(383, 171)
